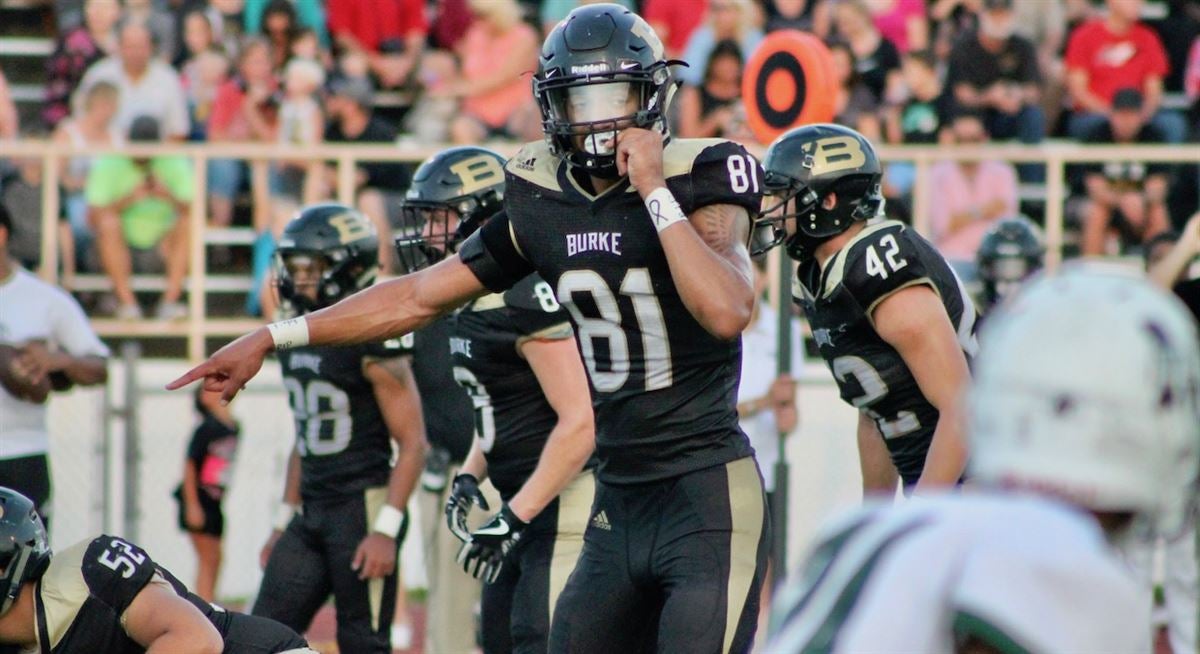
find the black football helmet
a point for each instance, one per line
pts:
(803, 166)
(466, 181)
(24, 550)
(1010, 252)
(592, 63)
(342, 240)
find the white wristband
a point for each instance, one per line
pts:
(664, 208)
(289, 333)
(283, 515)
(389, 521)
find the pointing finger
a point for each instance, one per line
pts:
(190, 376)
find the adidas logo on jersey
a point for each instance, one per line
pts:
(593, 242)
(526, 164)
(601, 521)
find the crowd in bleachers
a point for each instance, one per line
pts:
(454, 71)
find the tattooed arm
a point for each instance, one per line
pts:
(711, 267)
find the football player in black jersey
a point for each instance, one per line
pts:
(643, 239)
(106, 596)
(889, 316)
(343, 518)
(476, 186)
(515, 354)
(1009, 253)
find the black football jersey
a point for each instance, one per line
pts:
(664, 389)
(838, 302)
(447, 408)
(343, 442)
(79, 601)
(512, 417)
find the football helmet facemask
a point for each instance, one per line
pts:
(601, 70)
(24, 549)
(803, 167)
(452, 195)
(330, 245)
(1010, 252)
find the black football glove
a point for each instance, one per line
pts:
(463, 493)
(483, 556)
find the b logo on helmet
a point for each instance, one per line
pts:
(478, 173)
(642, 29)
(348, 228)
(835, 153)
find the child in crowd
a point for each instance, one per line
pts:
(206, 473)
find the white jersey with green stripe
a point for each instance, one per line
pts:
(1020, 574)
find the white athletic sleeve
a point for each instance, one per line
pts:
(70, 328)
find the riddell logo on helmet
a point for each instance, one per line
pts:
(590, 69)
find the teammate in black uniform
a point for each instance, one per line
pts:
(350, 404)
(449, 414)
(889, 316)
(644, 242)
(106, 596)
(1010, 252)
(515, 354)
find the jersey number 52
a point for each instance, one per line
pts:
(121, 557)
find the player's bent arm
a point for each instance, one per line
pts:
(710, 266)
(914, 321)
(559, 371)
(87, 370)
(475, 463)
(400, 404)
(879, 474)
(165, 623)
(383, 311)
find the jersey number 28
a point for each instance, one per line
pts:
(323, 412)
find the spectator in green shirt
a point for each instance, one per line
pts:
(138, 207)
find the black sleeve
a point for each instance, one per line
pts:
(116, 570)
(492, 255)
(883, 263)
(724, 173)
(533, 308)
(1028, 73)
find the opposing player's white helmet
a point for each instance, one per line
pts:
(1088, 386)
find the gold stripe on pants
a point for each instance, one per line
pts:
(574, 507)
(746, 515)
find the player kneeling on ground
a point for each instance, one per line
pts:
(106, 596)
(890, 317)
(515, 354)
(1084, 427)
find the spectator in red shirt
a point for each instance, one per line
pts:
(674, 22)
(391, 33)
(1113, 53)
